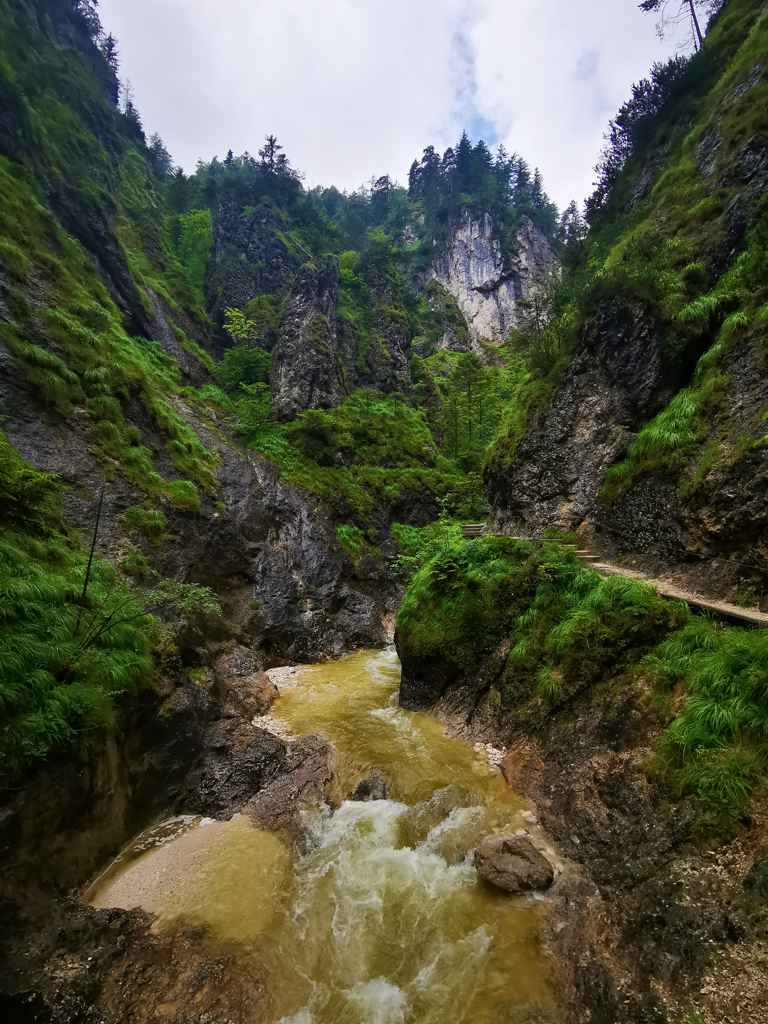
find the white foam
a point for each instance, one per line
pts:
(460, 817)
(379, 1001)
(304, 1016)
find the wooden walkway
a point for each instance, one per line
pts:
(722, 609)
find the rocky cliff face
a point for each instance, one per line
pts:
(486, 282)
(248, 257)
(653, 438)
(307, 371)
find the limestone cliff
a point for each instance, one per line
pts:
(486, 281)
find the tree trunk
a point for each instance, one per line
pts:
(696, 26)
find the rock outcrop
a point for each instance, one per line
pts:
(615, 383)
(486, 282)
(307, 371)
(249, 256)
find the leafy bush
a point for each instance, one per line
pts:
(243, 364)
(366, 429)
(352, 539)
(420, 544)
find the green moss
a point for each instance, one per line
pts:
(195, 238)
(352, 539)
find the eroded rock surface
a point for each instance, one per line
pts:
(513, 863)
(486, 283)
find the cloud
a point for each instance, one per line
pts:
(357, 88)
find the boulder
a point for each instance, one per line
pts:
(513, 863)
(372, 788)
(244, 689)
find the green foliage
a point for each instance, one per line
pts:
(84, 357)
(243, 364)
(150, 522)
(63, 664)
(562, 617)
(570, 628)
(352, 539)
(718, 743)
(195, 238)
(67, 658)
(183, 495)
(660, 252)
(366, 429)
(420, 544)
(26, 495)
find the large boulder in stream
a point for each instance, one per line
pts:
(513, 863)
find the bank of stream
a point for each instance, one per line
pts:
(376, 915)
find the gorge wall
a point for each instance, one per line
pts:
(488, 283)
(651, 434)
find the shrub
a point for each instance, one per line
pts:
(183, 495)
(149, 521)
(243, 364)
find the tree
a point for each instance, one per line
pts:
(111, 58)
(269, 153)
(87, 12)
(131, 114)
(571, 234)
(178, 192)
(634, 125)
(159, 157)
(414, 180)
(381, 194)
(685, 9)
(463, 163)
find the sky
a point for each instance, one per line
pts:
(354, 89)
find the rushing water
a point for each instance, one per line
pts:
(383, 920)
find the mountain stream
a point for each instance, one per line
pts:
(379, 917)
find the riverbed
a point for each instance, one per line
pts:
(376, 916)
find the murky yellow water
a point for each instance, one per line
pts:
(383, 920)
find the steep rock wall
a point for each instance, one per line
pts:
(653, 438)
(487, 283)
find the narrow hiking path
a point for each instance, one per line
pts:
(666, 588)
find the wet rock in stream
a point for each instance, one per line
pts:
(372, 788)
(513, 863)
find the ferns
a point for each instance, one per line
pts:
(569, 628)
(717, 742)
(54, 683)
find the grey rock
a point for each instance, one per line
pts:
(304, 774)
(616, 382)
(485, 282)
(248, 256)
(306, 373)
(372, 788)
(513, 864)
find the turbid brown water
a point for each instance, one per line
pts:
(383, 920)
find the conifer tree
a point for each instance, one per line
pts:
(111, 58)
(463, 163)
(269, 153)
(159, 157)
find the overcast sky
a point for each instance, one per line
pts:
(357, 88)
